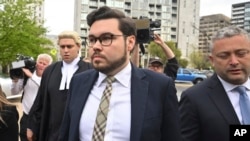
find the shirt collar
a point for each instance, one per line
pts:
(73, 63)
(229, 87)
(123, 77)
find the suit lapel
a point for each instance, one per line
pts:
(81, 97)
(222, 101)
(139, 93)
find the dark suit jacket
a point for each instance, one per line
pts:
(47, 111)
(154, 106)
(206, 112)
(9, 129)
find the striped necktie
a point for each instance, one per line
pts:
(101, 118)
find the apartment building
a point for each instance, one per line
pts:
(241, 15)
(39, 13)
(208, 25)
(154, 9)
(166, 11)
(163, 10)
(187, 26)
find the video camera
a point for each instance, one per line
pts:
(145, 29)
(22, 62)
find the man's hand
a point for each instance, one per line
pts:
(27, 72)
(158, 40)
(30, 135)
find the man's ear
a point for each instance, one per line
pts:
(211, 59)
(131, 40)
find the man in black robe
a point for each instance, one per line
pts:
(47, 111)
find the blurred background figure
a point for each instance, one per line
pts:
(29, 85)
(156, 64)
(8, 119)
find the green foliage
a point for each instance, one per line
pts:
(183, 62)
(199, 60)
(19, 31)
(173, 47)
(156, 50)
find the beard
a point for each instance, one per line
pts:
(110, 65)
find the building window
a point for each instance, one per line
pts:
(247, 10)
(85, 1)
(83, 15)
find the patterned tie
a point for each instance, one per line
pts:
(244, 104)
(101, 118)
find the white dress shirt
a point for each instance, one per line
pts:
(68, 71)
(30, 91)
(234, 96)
(119, 115)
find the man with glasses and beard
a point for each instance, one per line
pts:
(116, 100)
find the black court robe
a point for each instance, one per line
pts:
(9, 128)
(47, 111)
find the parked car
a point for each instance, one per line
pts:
(208, 73)
(186, 75)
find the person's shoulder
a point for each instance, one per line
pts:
(85, 73)
(84, 64)
(54, 64)
(199, 89)
(51, 67)
(9, 109)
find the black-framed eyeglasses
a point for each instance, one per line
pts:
(104, 39)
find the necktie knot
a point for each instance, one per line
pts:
(241, 89)
(110, 79)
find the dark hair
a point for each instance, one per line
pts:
(126, 25)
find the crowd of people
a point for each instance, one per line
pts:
(108, 97)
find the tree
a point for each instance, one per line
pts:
(155, 50)
(19, 31)
(199, 60)
(183, 62)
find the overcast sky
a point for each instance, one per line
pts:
(59, 13)
(208, 7)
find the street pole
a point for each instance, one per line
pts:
(187, 46)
